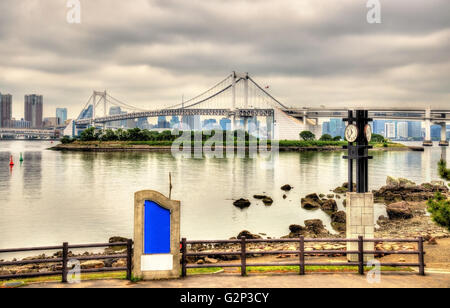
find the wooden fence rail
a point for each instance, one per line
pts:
(64, 260)
(302, 253)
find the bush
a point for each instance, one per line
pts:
(89, 135)
(443, 171)
(67, 140)
(337, 138)
(326, 137)
(376, 138)
(439, 208)
(307, 135)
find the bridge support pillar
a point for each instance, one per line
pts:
(443, 142)
(428, 142)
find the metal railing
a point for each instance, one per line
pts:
(302, 253)
(64, 260)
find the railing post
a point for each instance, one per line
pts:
(302, 255)
(421, 257)
(361, 255)
(243, 257)
(65, 256)
(129, 258)
(183, 258)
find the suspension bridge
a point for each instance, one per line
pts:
(239, 98)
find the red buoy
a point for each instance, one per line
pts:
(11, 162)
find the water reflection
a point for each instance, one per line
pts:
(87, 197)
(32, 174)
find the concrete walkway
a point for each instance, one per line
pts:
(316, 280)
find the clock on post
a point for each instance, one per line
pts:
(358, 134)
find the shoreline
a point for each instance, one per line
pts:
(114, 147)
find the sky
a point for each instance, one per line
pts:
(149, 53)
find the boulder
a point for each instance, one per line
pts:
(248, 235)
(92, 264)
(330, 196)
(287, 187)
(120, 263)
(117, 239)
(399, 210)
(260, 197)
(392, 181)
(311, 201)
(315, 226)
(406, 182)
(242, 203)
(267, 201)
(339, 221)
(284, 197)
(329, 206)
(211, 261)
(296, 228)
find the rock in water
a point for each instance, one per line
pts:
(259, 197)
(268, 201)
(329, 206)
(399, 210)
(392, 181)
(296, 228)
(339, 221)
(315, 226)
(287, 187)
(248, 235)
(311, 201)
(242, 203)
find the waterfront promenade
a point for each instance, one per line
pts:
(340, 280)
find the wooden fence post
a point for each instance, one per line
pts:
(65, 256)
(243, 257)
(183, 258)
(421, 257)
(361, 255)
(302, 255)
(129, 258)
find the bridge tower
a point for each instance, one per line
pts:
(102, 99)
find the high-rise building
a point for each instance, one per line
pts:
(415, 129)
(116, 110)
(33, 110)
(175, 122)
(326, 128)
(337, 127)
(162, 122)
(389, 131)
(5, 110)
(61, 114)
(379, 126)
(402, 130)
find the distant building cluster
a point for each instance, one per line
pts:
(33, 114)
(390, 129)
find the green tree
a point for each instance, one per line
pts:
(337, 138)
(439, 208)
(307, 135)
(443, 171)
(67, 140)
(376, 138)
(89, 134)
(108, 135)
(326, 137)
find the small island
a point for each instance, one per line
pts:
(144, 140)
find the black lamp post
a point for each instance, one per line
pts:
(358, 149)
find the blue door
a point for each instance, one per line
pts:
(156, 229)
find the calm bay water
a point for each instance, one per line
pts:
(54, 197)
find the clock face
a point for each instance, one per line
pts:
(368, 132)
(351, 133)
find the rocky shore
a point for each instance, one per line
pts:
(57, 266)
(405, 203)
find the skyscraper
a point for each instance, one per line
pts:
(5, 110)
(33, 110)
(390, 131)
(415, 129)
(402, 130)
(61, 114)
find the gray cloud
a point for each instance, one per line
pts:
(149, 53)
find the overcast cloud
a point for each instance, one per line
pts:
(151, 52)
